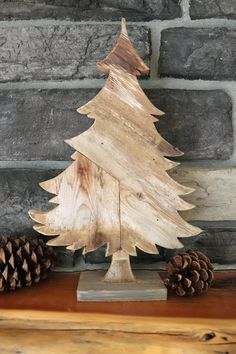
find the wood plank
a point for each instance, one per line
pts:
(215, 192)
(22, 331)
(58, 293)
(215, 198)
(124, 146)
(42, 320)
(147, 287)
(79, 219)
(87, 342)
(123, 134)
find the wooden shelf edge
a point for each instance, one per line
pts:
(62, 333)
(51, 320)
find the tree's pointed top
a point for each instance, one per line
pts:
(123, 26)
(123, 55)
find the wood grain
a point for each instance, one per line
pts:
(149, 201)
(124, 147)
(124, 56)
(148, 287)
(205, 324)
(87, 214)
(106, 342)
(69, 333)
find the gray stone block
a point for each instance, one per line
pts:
(212, 9)
(198, 53)
(64, 258)
(19, 192)
(197, 122)
(218, 244)
(108, 10)
(57, 52)
(34, 124)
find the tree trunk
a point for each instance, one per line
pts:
(119, 270)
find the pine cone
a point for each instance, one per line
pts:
(23, 262)
(190, 273)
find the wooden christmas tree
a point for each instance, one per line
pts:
(117, 191)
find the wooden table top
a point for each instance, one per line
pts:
(58, 293)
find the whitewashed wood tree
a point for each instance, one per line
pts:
(117, 191)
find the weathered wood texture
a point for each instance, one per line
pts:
(105, 342)
(90, 10)
(146, 197)
(87, 214)
(34, 123)
(148, 287)
(19, 192)
(55, 52)
(69, 333)
(204, 53)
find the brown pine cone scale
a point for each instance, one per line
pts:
(190, 273)
(23, 262)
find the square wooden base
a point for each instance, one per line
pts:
(148, 287)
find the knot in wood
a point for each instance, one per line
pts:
(140, 195)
